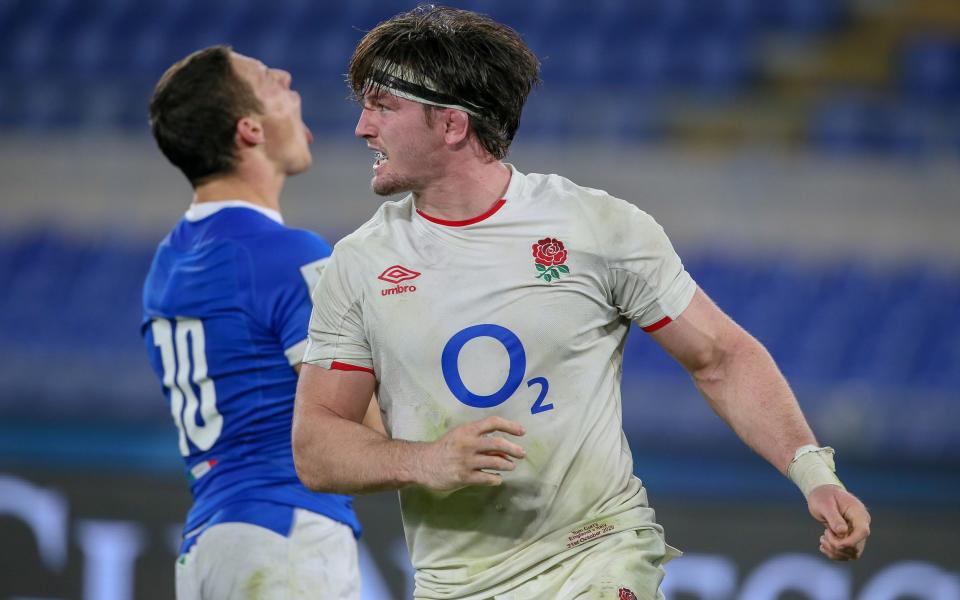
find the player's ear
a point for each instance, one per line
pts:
(456, 126)
(250, 131)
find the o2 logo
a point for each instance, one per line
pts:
(518, 368)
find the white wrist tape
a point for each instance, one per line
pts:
(812, 467)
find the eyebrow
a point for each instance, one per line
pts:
(379, 95)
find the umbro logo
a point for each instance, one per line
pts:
(395, 275)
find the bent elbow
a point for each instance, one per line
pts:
(708, 365)
(309, 478)
(718, 363)
(306, 471)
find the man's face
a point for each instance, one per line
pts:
(407, 146)
(287, 137)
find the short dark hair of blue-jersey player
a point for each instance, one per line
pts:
(226, 306)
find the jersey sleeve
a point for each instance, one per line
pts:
(337, 338)
(648, 282)
(291, 268)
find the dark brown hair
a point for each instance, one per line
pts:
(194, 113)
(469, 57)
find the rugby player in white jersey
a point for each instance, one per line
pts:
(489, 308)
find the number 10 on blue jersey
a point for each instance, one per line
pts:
(184, 359)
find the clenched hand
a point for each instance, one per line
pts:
(465, 455)
(845, 519)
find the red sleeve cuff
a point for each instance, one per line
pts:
(339, 366)
(659, 324)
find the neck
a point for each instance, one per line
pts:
(465, 192)
(256, 186)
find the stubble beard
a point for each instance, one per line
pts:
(388, 186)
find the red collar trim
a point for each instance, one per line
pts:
(485, 215)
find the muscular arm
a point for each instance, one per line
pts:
(740, 380)
(333, 452)
(372, 417)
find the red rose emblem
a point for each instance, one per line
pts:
(626, 594)
(549, 252)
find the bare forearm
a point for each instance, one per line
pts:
(336, 455)
(334, 452)
(744, 386)
(747, 390)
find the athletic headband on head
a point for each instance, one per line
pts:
(402, 82)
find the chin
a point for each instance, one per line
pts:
(385, 186)
(300, 165)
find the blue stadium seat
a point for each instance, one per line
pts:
(328, 108)
(805, 17)
(132, 32)
(911, 131)
(625, 120)
(674, 16)
(11, 104)
(651, 64)
(321, 58)
(743, 16)
(544, 118)
(720, 64)
(28, 49)
(693, 17)
(576, 61)
(366, 14)
(930, 69)
(561, 19)
(47, 105)
(844, 125)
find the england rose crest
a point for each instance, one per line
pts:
(626, 594)
(548, 257)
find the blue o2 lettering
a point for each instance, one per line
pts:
(539, 406)
(515, 375)
(451, 372)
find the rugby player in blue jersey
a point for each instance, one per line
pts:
(226, 307)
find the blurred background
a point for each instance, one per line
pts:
(803, 155)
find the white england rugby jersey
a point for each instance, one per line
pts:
(521, 312)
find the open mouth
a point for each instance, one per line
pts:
(379, 158)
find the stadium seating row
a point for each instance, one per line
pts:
(859, 123)
(127, 19)
(91, 65)
(858, 343)
(824, 324)
(839, 324)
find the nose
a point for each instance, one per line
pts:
(365, 128)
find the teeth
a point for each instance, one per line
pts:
(379, 155)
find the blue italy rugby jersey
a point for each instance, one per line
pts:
(226, 307)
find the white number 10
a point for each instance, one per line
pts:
(177, 378)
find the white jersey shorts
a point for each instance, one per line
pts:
(240, 561)
(624, 566)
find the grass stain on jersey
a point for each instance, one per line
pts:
(536, 455)
(255, 586)
(436, 421)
